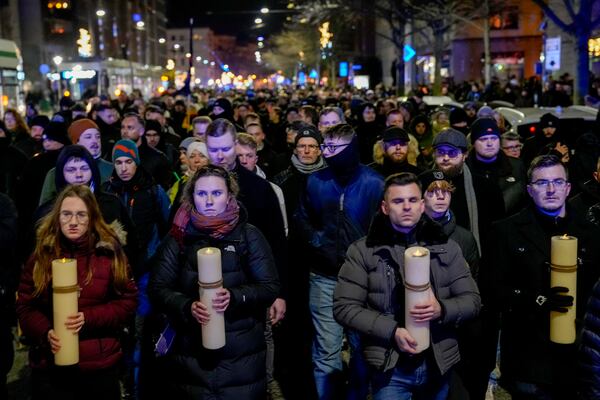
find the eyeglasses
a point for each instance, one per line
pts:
(67, 216)
(332, 147)
(545, 183)
(311, 147)
(514, 147)
(451, 153)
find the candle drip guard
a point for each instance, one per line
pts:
(66, 289)
(417, 288)
(563, 268)
(211, 285)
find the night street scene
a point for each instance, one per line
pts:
(300, 199)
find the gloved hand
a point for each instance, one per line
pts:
(555, 299)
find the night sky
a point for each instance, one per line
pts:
(228, 16)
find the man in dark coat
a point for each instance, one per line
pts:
(107, 119)
(153, 161)
(306, 159)
(395, 153)
(519, 277)
(335, 210)
(12, 162)
(589, 376)
(546, 134)
(259, 199)
(369, 296)
(587, 202)
(487, 161)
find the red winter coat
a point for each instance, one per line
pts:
(106, 312)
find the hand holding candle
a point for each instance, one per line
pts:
(419, 307)
(213, 298)
(563, 273)
(67, 319)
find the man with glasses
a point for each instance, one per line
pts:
(335, 210)
(306, 159)
(395, 153)
(518, 270)
(511, 144)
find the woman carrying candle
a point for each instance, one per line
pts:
(74, 229)
(210, 216)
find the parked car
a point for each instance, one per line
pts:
(574, 120)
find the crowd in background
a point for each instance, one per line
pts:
(285, 182)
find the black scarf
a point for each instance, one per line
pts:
(345, 164)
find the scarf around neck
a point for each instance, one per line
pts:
(217, 226)
(307, 169)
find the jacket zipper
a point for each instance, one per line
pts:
(339, 222)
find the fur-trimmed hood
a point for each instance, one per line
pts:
(382, 233)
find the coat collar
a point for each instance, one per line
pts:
(381, 232)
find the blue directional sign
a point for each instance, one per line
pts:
(313, 74)
(409, 53)
(343, 69)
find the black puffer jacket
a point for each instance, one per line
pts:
(237, 371)
(590, 348)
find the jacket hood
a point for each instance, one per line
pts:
(417, 120)
(381, 232)
(77, 151)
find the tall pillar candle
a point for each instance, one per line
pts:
(563, 272)
(65, 294)
(416, 291)
(210, 279)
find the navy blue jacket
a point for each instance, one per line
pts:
(330, 216)
(590, 348)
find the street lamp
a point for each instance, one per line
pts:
(264, 10)
(57, 60)
(100, 13)
(258, 21)
(162, 40)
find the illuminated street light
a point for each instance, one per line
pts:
(212, 63)
(162, 40)
(198, 58)
(188, 55)
(176, 46)
(264, 10)
(100, 13)
(57, 60)
(205, 62)
(261, 45)
(258, 21)
(260, 38)
(140, 24)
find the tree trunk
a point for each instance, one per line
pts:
(582, 77)
(438, 54)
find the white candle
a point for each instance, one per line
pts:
(65, 293)
(210, 279)
(563, 272)
(416, 292)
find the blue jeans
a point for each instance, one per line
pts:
(327, 343)
(405, 380)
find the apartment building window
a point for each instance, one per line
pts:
(508, 18)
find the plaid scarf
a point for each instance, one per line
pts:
(217, 226)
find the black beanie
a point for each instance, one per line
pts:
(57, 131)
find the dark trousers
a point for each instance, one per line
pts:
(6, 355)
(532, 391)
(70, 383)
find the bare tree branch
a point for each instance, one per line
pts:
(552, 15)
(570, 9)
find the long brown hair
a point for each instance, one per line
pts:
(21, 124)
(49, 235)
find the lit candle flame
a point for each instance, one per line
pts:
(419, 253)
(208, 251)
(64, 260)
(564, 237)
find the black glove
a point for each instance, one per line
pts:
(555, 300)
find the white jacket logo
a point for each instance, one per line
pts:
(230, 248)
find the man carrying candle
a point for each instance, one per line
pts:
(518, 279)
(369, 296)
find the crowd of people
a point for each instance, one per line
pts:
(312, 198)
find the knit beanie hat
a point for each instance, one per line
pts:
(126, 148)
(308, 131)
(152, 125)
(56, 131)
(186, 142)
(40, 120)
(197, 146)
(483, 127)
(79, 126)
